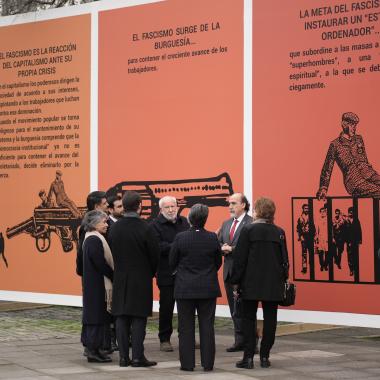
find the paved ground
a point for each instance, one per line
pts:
(43, 344)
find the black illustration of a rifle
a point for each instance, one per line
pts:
(46, 221)
(212, 192)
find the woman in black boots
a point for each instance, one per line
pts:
(259, 274)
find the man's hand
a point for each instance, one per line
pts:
(235, 291)
(321, 193)
(226, 249)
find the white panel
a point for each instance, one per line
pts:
(347, 319)
(248, 99)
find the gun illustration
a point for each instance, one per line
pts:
(212, 191)
(47, 220)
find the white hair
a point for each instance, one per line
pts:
(167, 198)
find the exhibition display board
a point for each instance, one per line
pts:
(196, 99)
(45, 128)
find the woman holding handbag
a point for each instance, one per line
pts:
(260, 271)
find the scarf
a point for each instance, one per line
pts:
(109, 260)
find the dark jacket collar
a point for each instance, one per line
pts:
(192, 228)
(163, 220)
(131, 214)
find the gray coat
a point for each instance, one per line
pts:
(224, 237)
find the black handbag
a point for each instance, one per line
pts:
(289, 294)
(289, 288)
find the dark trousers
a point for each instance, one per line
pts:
(338, 250)
(269, 330)
(238, 322)
(165, 328)
(323, 259)
(353, 259)
(186, 331)
(124, 325)
(92, 336)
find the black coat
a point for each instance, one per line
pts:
(196, 257)
(79, 260)
(94, 268)
(258, 263)
(135, 252)
(166, 232)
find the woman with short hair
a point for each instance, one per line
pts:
(196, 257)
(97, 284)
(259, 274)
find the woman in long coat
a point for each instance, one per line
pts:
(97, 275)
(260, 271)
(196, 257)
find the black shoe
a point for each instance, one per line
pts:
(208, 369)
(106, 351)
(265, 363)
(245, 363)
(97, 357)
(186, 369)
(125, 362)
(144, 362)
(114, 346)
(85, 352)
(235, 348)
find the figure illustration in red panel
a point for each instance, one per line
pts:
(322, 240)
(306, 232)
(360, 179)
(354, 239)
(338, 226)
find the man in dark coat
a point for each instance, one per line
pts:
(166, 226)
(353, 237)
(136, 252)
(228, 237)
(306, 233)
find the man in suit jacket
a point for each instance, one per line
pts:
(115, 209)
(228, 237)
(135, 252)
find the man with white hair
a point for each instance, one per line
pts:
(166, 226)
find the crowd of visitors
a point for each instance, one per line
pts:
(119, 255)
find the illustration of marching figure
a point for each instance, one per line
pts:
(57, 213)
(335, 233)
(306, 232)
(339, 236)
(321, 241)
(353, 240)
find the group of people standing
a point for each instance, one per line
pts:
(120, 254)
(314, 237)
